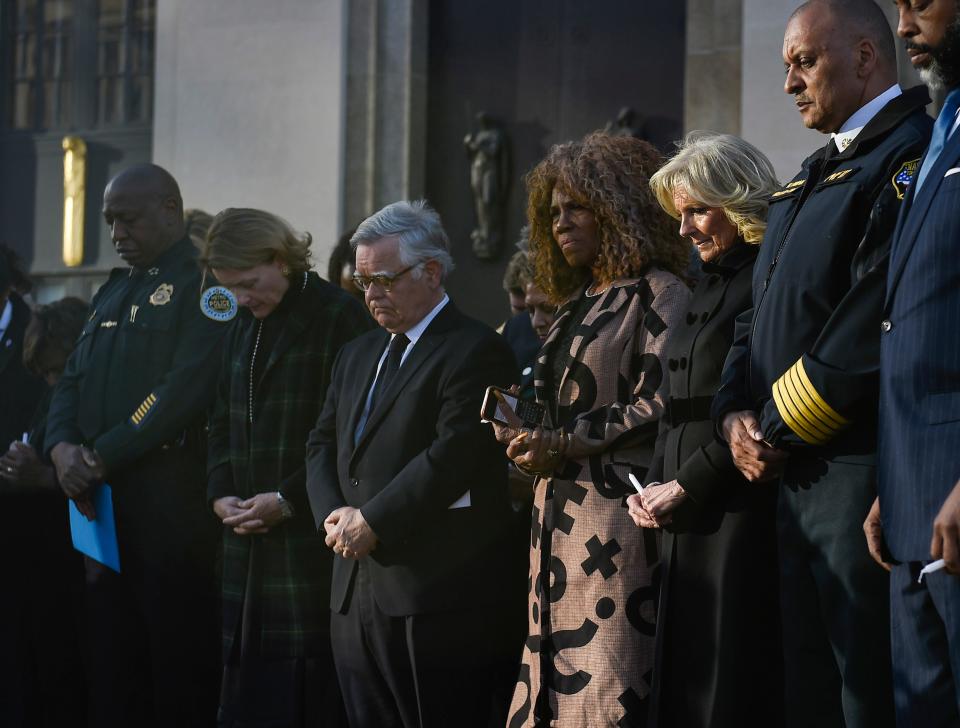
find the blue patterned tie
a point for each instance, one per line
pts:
(941, 130)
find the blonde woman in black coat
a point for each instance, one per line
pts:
(718, 661)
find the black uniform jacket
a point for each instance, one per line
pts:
(145, 365)
(423, 446)
(806, 357)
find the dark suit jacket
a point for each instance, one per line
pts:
(20, 391)
(920, 362)
(422, 447)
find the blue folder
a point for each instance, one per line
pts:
(97, 538)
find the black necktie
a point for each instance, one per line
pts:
(390, 367)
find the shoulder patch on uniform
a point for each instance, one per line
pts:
(904, 177)
(162, 296)
(218, 303)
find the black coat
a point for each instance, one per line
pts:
(282, 577)
(717, 649)
(20, 391)
(423, 447)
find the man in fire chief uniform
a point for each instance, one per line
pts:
(798, 398)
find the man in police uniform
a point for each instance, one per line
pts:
(798, 399)
(128, 411)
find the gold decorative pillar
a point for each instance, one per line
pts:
(74, 196)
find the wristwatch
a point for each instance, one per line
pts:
(286, 507)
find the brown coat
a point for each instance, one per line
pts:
(594, 615)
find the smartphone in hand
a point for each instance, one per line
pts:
(507, 409)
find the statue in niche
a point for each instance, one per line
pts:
(624, 125)
(489, 180)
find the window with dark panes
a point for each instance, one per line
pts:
(125, 37)
(75, 64)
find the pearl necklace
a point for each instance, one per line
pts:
(253, 358)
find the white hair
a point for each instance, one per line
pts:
(720, 170)
(417, 227)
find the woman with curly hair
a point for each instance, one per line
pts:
(718, 637)
(604, 251)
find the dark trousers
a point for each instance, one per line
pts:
(41, 675)
(152, 650)
(153, 634)
(420, 671)
(834, 599)
(925, 634)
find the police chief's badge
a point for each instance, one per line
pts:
(218, 304)
(904, 177)
(163, 294)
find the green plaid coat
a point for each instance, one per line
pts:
(278, 583)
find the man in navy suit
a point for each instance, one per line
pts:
(919, 432)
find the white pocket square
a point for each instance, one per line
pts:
(461, 502)
(952, 171)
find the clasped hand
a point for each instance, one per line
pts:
(256, 515)
(78, 469)
(754, 457)
(21, 466)
(653, 508)
(349, 534)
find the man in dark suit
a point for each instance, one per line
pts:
(129, 410)
(798, 398)
(20, 393)
(919, 483)
(411, 490)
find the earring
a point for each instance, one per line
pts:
(284, 270)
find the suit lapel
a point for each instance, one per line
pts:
(425, 347)
(14, 329)
(362, 383)
(915, 212)
(6, 350)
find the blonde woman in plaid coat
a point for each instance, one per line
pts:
(278, 669)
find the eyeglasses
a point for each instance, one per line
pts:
(384, 280)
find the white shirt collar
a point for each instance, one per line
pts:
(862, 116)
(5, 317)
(416, 331)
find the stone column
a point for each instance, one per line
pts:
(712, 91)
(386, 100)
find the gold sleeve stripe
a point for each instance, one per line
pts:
(803, 409)
(807, 405)
(814, 410)
(787, 413)
(828, 411)
(808, 416)
(143, 409)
